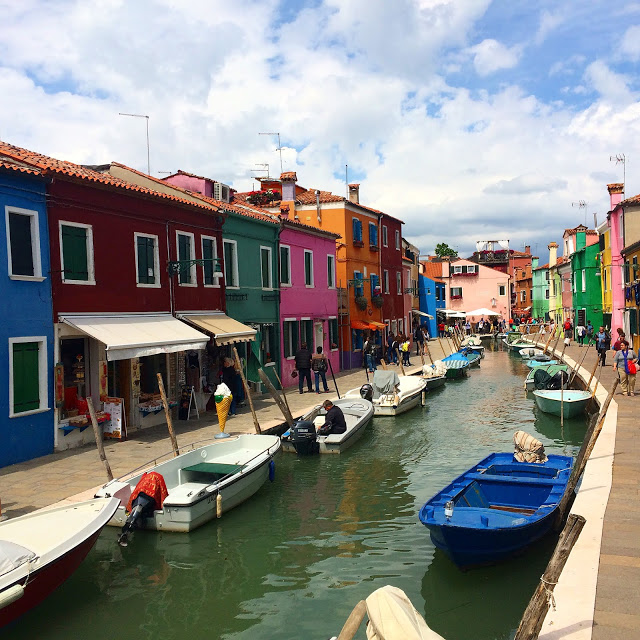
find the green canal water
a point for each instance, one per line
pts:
(295, 559)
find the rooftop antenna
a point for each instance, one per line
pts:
(274, 133)
(620, 158)
(581, 204)
(265, 167)
(346, 179)
(139, 115)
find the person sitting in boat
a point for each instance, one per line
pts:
(334, 421)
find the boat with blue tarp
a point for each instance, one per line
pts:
(496, 508)
(457, 366)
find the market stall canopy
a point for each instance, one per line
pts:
(378, 325)
(483, 311)
(134, 336)
(223, 328)
(422, 313)
(359, 324)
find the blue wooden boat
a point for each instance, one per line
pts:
(496, 508)
(472, 356)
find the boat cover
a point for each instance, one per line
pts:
(455, 361)
(435, 370)
(527, 448)
(12, 555)
(384, 382)
(153, 485)
(393, 617)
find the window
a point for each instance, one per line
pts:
(285, 265)
(457, 269)
(385, 241)
(472, 268)
(546, 293)
(23, 244)
(265, 267)
(290, 337)
(385, 280)
(147, 261)
(456, 293)
(375, 284)
(584, 280)
(76, 248)
(531, 295)
(546, 275)
(357, 230)
(308, 268)
(397, 240)
(437, 293)
(27, 375)
(502, 290)
(186, 252)
(331, 271)
(373, 234)
(604, 279)
(231, 263)
(634, 265)
(358, 284)
(210, 268)
(333, 333)
(398, 282)
(523, 296)
(306, 332)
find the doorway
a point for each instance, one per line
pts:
(318, 334)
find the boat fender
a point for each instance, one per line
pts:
(11, 595)
(219, 505)
(272, 470)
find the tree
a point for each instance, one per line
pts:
(443, 250)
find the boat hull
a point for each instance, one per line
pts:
(457, 374)
(407, 403)
(435, 383)
(571, 403)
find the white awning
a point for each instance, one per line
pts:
(224, 329)
(422, 313)
(131, 336)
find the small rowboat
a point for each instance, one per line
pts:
(496, 508)
(570, 402)
(549, 369)
(39, 551)
(532, 364)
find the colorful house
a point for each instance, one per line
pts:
(26, 342)
(394, 276)
(585, 276)
(428, 289)
(631, 255)
(612, 263)
(541, 294)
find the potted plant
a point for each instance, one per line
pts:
(361, 302)
(377, 301)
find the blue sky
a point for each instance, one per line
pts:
(468, 119)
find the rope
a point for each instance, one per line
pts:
(548, 591)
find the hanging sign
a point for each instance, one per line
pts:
(102, 373)
(115, 428)
(58, 376)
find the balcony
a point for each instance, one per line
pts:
(456, 297)
(464, 274)
(374, 247)
(358, 243)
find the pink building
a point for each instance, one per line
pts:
(308, 294)
(615, 221)
(473, 286)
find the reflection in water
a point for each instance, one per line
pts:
(294, 560)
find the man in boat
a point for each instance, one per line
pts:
(334, 421)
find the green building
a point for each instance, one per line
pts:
(540, 300)
(585, 276)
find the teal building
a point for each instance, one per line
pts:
(540, 300)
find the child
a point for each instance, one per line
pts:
(405, 351)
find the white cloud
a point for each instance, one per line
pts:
(549, 22)
(490, 56)
(630, 43)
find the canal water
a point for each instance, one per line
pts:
(294, 560)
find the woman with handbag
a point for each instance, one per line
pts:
(625, 363)
(319, 367)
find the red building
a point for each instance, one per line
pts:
(393, 275)
(123, 263)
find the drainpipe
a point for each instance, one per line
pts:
(318, 205)
(171, 306)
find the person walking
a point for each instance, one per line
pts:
(230, 376)
(624, 362)
(418, 336)
(390, 354)
(319, 366)
(368, 350)
(589, 332)
(303, 365)
(441, 329)
(621, 337)
(581, 332)
(568, 330)
(405, 348)
(602, 344)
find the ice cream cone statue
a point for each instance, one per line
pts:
(223, 400)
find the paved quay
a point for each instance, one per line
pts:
(76, 473)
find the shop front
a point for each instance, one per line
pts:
(115, 360)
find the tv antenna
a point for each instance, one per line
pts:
(265, 167)
(620, 158)
(274, 133)
(581, 204)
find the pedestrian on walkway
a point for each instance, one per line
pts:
(619, 339)
(369, 349)
(303, 365)
(602, 344)
(589, 332)
(418, 336)
(230, 376)
(320, 366)
(625, 364)
(581, 332)
(441, 329)
(405, 348)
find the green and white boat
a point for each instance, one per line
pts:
(571, 403)
(549, 369)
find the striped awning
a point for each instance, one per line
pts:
(224, 329)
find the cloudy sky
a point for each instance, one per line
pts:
(468, 119)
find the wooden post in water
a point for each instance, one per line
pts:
(593, 373)
(588, 444)
(383, 364)
(98, 436)
(284, 395)
(548, 341)
(575, 369)
(247, 391)
(276, 396)
(555, 344)
(400, 362)
(353, 622)
(426, 346)
(444, 355)
(538, 606)
(167, 413)
(564, 346)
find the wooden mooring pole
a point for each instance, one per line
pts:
(167, 413)
(542, 598)
(276, 396)
(98, 435)
(247, 391)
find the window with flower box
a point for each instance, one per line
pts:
(456, 293)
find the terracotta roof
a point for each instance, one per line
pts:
(580, 227)
(615, 187)
(542, 266)
(14, 165)
(289, 175)
(79, 172)
(433, 270)
(632, 200)
(309, 197)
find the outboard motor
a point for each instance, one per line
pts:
(304, 439)
(141, 507)
(366, 392)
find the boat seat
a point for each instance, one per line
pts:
(511, 480)
(208, 472)
(474, 497)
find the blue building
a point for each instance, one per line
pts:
(432, 298)
(26, 331)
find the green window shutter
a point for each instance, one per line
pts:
(21, 245)
(146, 262)
(184, 253)
(74, 253)
(284, 266)
(26, 379)
(229, 259)
(266, 264)
(286, 332)
(207, 254)
(308, 268)
(295, 331)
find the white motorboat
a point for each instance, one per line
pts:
(201, 484)
(531, 353)
(40, 550)
(392, 394)
(303, 438)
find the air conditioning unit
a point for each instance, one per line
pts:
(221, 192)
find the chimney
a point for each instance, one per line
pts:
(553, 254)
(354, 193)
(615, 189)
(527, 250)
(288, 180)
